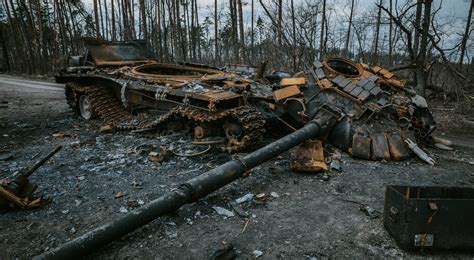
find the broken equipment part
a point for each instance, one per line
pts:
(18, 190)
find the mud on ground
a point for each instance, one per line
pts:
(307, 216)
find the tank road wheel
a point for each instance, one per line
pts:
(85, 108)
(233, 132)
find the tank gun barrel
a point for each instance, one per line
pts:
(193, 189)
(39, 163)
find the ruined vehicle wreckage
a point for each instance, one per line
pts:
(117, 81)
(363, 110)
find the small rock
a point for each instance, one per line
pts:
(133, 203)
(245, 198)
(471, 162)
(65, 211)
(73, 230)
(260, 195)
(257, 253)
(119, 194)
(274, 194)
(106, 129)
(123, 210)
(443, 147)
(170, 223)
(370, 212)
(81, 178)
(335, 165)
(223, 212)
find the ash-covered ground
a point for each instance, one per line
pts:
(98, 177)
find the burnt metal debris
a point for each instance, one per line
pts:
(18, 190)
(430, 218)
(118, 80)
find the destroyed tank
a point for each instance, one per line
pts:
(118, 81)
(364, 110)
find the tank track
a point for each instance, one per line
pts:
(109, 109)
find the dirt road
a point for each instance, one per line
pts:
(97, 177)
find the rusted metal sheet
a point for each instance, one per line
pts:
(292, 81)
(380, 148)
(361, 146)
(376, 69)
(117, 53)
(398, 149)
(309, 157)
(285, 93)
(430, 218)
(326, 83)
(221, 95)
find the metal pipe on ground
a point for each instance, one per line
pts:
(192, 190)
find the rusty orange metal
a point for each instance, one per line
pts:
(285, 93)
(398, 149)
(292, 81)
(309, 157)
(325, 83)
(376, 69)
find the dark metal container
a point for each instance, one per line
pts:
(430, 217)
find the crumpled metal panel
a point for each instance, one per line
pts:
(380, 148)
(309, 157)
(398, 149)
(361, 146)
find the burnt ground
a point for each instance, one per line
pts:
(312, 216)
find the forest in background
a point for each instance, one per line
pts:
(37, 36)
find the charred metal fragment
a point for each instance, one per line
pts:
(18, 191)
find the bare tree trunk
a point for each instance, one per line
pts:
(41, 41)
(241, 29)
(107, 31)
(252, 35)
(293, 22)
(421, 74)
(466, 34)
(192, 32)
(216, 33)
(416, 38)
(113, 21)
(280, 19)
(321, 39)
(198, 29)
(346, 48)
(4, 50)
(233, 15)
(126, 26)
(131, 19)
(390, 30)
(144, 27)
(377, 32)
(96, 18)
(102, 20)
